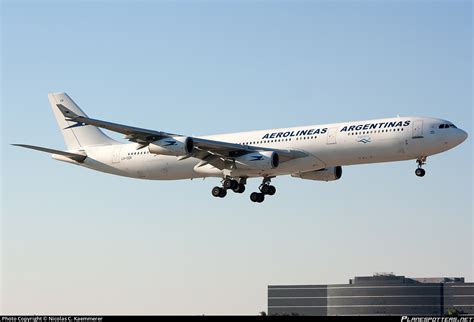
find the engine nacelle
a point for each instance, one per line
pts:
(262, 160)
(177, 146)
(327, 174)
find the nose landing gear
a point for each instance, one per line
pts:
(420, 172)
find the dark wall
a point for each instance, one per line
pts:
(350, 299)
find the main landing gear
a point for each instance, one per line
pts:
(229, 184)
(238, 186)
(265, 189)
(420, 172)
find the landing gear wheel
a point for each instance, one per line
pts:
(267, 189)
(223, 193)
(420, 172)
(230, 184)
(257, 197)
(272, 190)
(254, 196)
(219, 192)
(216, 191)
(240, 188)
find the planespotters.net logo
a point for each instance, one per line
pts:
(438, 319)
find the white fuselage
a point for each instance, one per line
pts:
(328, 145)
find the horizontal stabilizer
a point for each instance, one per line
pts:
(73, 156)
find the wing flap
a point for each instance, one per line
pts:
(227, 149)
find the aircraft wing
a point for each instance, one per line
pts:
(226, 149)
(209, 151)
(133, 134)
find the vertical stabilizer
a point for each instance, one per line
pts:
(80, 135)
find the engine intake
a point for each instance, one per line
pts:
(176, 146)
(326, 174)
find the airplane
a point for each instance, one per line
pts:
(315, 152)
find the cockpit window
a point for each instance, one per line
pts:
(445, 126)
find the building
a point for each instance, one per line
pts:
(380, 294)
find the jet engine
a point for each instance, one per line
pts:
(326, 174)
(177, 146)
(262, 160)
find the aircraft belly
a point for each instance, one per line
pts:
(308, 163)
(170, 168)
(362, 149)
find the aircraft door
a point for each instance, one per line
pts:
(332, 135)
(116, 154)
(417, 129)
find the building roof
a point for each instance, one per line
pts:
(390, 278)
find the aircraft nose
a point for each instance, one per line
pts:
(461, 136)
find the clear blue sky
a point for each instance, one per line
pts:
(76, 241)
